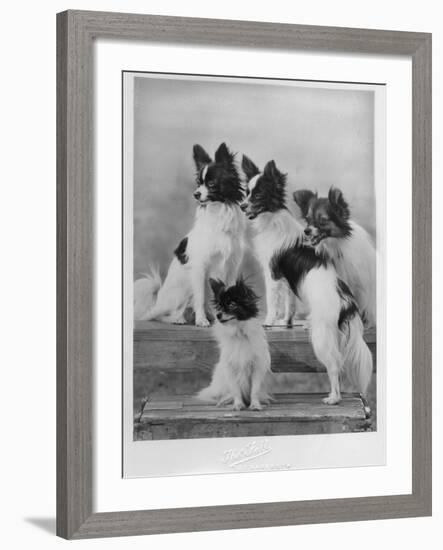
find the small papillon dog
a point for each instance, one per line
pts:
(241, 376)
(336, 326)
(213, 248)
(332, 232)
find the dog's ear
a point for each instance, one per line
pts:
(272, 172)
(303, 198)
(338, 203)
(217, 286)
(201, 157)
(249, 168)
(223, 154)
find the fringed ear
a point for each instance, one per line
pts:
(243, 288)
(201, 157)
(249, 168)
(272, 173)
(247, 296)
(223, 155)
(217, 286)
(303, 198)
(338, 203)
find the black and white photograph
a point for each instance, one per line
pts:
(251, 267)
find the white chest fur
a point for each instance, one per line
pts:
(274, 232)
(219, 231)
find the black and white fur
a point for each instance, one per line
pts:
(271, 195)
(213, 248)
(241, 376)
(336, 326)
(332, 232)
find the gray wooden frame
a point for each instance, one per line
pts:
(76, 31)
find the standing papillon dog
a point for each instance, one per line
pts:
(213, 248)
(332, 232)
(241, 376)
(336, 326)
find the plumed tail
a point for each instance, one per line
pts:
(211, 394)
(145, 293)
(356, 355)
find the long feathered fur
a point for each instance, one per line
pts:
(336, 326)
(213, 248)
(332, 232)
(242, 374)
(355, 260)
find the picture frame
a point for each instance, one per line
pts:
(76, 32)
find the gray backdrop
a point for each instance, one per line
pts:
(319, 137)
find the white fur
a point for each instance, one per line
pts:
(318, 291)
(145, 292)
(241, 375)
(215, 249)
(275, 231)
(355, 260)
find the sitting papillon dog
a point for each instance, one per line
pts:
(280, 300)
(336, 326)
(213, 248)
(332, 232)
(241, 376)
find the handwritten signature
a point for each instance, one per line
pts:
(241, 456)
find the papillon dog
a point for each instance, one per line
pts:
(280, 300)
(336, 328)
(332, 232)
(241, 376)
(213, 248)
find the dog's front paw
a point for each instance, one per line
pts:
(332, 399)
(282, 323)
(238, 406)
(179, 320)
(202, 322)
(255, 406)
(269, 321)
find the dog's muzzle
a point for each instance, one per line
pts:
(313, 236)
(246, 208)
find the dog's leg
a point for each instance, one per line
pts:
(256, 386)
(289, 307)
(271, 299)
(198, 283)
(235, 390)
(325, 345)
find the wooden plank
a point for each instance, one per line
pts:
(187, 417)
(154, 330)
(160, 346)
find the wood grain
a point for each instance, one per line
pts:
(159, 346)
(288, 414)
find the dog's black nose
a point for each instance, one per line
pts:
(219, 316)
(308, 231)
(197, 194)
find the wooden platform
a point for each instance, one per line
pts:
(186, 347)
(173, 362)
(289, 414)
